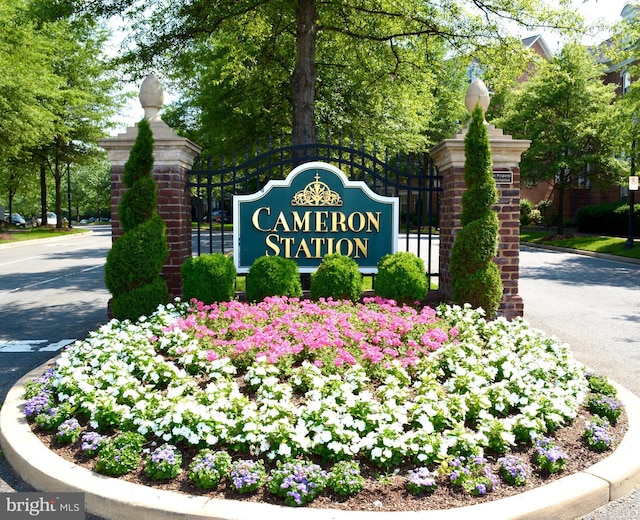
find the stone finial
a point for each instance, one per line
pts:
(477, 94)
(151, 97)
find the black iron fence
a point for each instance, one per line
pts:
(413, 178)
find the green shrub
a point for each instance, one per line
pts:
(475, 277)
(273, 276)
(337, 277)
(599, 384)
(547, 215)
(138, 203)
(208, 278)
(401, 277)
(134, 263)
(136, 258)
(121, 454)
(483, 288)
(141, 301)
(535, 217)
(526, 208)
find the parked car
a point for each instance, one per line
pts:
(17, 220)
(52, 219)
(218, 216)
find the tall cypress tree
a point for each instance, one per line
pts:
(475, 277)
(134, 264)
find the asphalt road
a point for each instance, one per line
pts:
(53, 292)
(593, 304)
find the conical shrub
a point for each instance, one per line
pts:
(134, 263)
(475, 277)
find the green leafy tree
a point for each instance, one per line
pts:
(134, 263)
(622, 53)
(83, 103)
(57, 94)
(26, 77)
(91, 188)
(566, 111)
(475, 277)
(307, 61)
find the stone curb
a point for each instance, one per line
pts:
(114, 499)
(593, 254)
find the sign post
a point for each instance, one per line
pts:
(633, 187)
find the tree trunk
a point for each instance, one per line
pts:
(57, 176)
(561, 194)
(303, 79)
(43, 191)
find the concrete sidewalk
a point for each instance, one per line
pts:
(113, 499)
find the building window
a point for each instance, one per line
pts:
(583, 179)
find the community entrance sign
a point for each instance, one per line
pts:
(315, 211)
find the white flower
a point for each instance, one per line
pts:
(284, 450)
(325, 436)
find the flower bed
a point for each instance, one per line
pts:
(388, 386)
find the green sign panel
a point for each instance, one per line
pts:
(315, 211)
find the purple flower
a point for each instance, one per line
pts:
(549, 457)
(91, 442)
(247, 476)
(165, 453)
(38, 404)
(298, 483)
(597, 435)
(513, 470)
(420, 480)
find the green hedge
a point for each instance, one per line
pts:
(607, 219)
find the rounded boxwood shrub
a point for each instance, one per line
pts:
(401, 277)
(337, 277)
(273, 276)
(208, 278)
(526, 208)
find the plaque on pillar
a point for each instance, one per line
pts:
(503, 177)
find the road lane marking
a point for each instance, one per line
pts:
(33, 345)
(48, 280)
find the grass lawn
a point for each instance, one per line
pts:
(597, 244)
(16, 235)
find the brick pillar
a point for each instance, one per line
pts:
(449, 156)
(173, 157)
